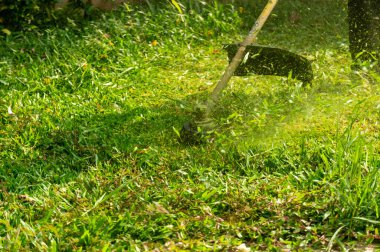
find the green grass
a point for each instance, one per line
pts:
(90, 159)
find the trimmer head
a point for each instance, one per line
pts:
(197, 130)
(191, 133)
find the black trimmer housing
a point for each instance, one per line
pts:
(263, 60)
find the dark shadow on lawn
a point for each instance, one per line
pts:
(83, 141)
(123, 138)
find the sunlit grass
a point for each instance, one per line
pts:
(89, 158)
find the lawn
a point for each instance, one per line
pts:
(89, 153)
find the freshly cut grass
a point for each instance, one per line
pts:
(89, 157)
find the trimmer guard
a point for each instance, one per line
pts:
(263, 60)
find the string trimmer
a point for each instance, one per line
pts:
(257, 59)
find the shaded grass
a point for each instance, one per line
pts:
(90, 160)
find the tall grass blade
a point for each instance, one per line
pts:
(331, 243)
